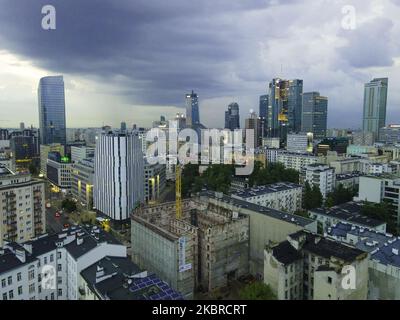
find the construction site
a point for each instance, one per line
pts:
(192, 244)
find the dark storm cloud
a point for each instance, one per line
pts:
(160, 48)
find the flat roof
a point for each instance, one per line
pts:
(261, 190)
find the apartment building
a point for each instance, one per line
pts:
(322, 176)
(311, 267)
(22, 206)
(283, 196)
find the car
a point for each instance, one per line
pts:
(57, 215)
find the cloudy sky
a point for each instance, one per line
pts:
(132, 60)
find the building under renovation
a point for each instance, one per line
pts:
(206, 248)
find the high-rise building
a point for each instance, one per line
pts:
(315, 114)
(44, 155)
(192, 109)
(52, 110)
(264, 111)
(82, 177)
(322, 176)
(119, 174)
(375, 99)
(286, 107)
(22, 126)
(232, 120)
(22, 210)
(254, 123)
(123, 126)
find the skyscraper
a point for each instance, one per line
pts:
(264, 109)
(375, 99)
(192, 109)
(123, 126)
(52, 110)
(119, 174)
(232, 120)
(254, 123)
(315, 114)
(286, 107)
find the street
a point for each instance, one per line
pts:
(54, 224)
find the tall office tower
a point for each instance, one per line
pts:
(264, 110)
(52, 110)
(192, 109)
(285, 99)
(254, 123)
(123, 126)
(119, 174)
(232, 119)
(315, 114)
(22, 210)
(375, 99)
(22, 126)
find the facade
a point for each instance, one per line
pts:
(81, 153)
(309, 267)
(119, 174)
(266, 225)
(315, 114)
(350, 213)
(296, 161)
(322, 176)
(59, 171)
(22, 210)
(208, 246)
(300, 142)
(154, 181)
(349, 181)
(286, 107)
(192, 109)
(264, 112)
(232, 118)
(381, 188)
(254, 123)
(44, 155)
(49, 267)
(51, 100)
(82, 181)
(390, 134)
(283, 196)
(384, 264)
(362, 138)
(375, 100)
(24, 149)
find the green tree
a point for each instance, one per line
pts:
(68, 205)
(381, 211)
(312, 197)
(257, 291)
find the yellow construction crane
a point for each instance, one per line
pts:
(178, 191)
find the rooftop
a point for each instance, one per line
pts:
(383, 247)
(89, 237)
(350, 212)
(345, 176)
(261, 190)
(242, 204)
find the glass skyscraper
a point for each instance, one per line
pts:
(263, 112)
(375, 99)
(232, 120)
(315, 114)
(51, 100)
(285, 99)
(192, 109)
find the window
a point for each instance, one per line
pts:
(329, 280)
(31, 288)
(286, 295)
(52, 296)
(45, 260)
(59, 292)
(51, 257)
(19, 290)
(9, 280)
(11, 294)
(59, 280)
(19, 276)
(59, 268)
(3, 283)
(39, 288)
(58, 255)
(31, 275)
(4, 296)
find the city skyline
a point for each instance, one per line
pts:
(118, 85)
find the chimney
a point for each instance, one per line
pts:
(79, 241)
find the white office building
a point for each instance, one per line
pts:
(119, 174)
